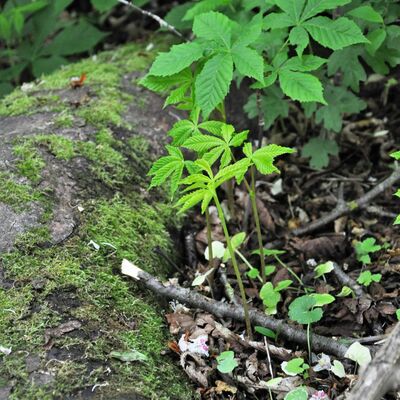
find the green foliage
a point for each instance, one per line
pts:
(304, 310)
(366, 278)
(271, 297)
(322, 269)
(226, 362)
(295, 366)
(364, 248)
(297, 394)
(37, 40)
(265, 332)
(319, 150)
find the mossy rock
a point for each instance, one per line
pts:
(73, 204)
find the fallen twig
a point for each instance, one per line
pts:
(344, 279)
(224, 310)
(343, 208)
(382, 374)
(163, 23)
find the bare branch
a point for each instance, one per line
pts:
(162, 22)
(346, 208)
(292, 333)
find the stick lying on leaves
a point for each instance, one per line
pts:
(343, 207)
(224, 310)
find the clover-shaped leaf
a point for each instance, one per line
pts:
(358, 353)
(323, 269)
(302, 310)
(366, 278)
(364, 248)
(297, 394)
(294, 367)
(226, 362)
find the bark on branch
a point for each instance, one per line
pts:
(224, 310)
(383, 373)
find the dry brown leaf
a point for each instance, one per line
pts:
(222, 387)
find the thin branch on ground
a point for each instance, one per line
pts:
(344, 208)
(293, 333)
(345, 280)
(382, 374)
(162, 23)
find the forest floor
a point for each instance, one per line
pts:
(361, 241)
(73, 327)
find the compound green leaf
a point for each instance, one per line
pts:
(249, 33)
(334, 34)
(204, 6)
(304, 64)
(248, 62)
(181, 131)
(202, 143)
(163, 83)
(376, 38)
(213, 26)
(264, 157)
(298, 37)
(300, 86)
(366, 13)
(178, 58)
(293, 8)
(278, 21)
(212, 84)
(314, 7)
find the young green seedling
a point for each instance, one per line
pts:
(364, 248)
(226, 362)
(366, 278)
(307, 310)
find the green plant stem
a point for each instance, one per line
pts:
(244, 259)
(309, 342)
(209, 240)
(257, 222)
(235, 266)
(231, 198)
(292, 272)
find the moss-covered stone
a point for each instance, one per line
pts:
(45, 286)
(16, 194)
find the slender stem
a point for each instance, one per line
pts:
(231, 198)
(244, 259)
(210, 277)
(257, 222)
(292, 272)
(235, 266)
(309, 342)
(209, 240)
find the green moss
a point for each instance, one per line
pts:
(18, 103)
(15, 194)
(30, 163)
(64, 120)
(108, 306)
(106, 109)
(61, 147)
